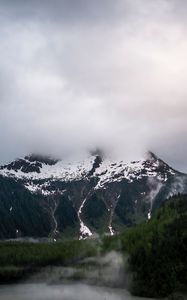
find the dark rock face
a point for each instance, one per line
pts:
(30, 164)
(24, 166)
(41, 159)
(21, 213)
(96, 164)
(44, 197)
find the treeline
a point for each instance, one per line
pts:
(18, 259)
(157, 251)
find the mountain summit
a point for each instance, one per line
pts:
(45, 197)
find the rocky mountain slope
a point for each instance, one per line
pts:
(45, 197)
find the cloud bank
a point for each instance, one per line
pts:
(75, 75)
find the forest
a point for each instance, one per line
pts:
(155, 250)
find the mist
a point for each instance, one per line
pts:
(107, 280)
(76, 75)
(65, 292)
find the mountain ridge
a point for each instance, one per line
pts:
(83, 198)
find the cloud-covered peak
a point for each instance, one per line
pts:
(78, 74)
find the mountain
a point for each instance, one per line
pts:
(45, 197)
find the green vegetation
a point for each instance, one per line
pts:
(21, 210)
(95, 214)
(156, 250)
(18, 259)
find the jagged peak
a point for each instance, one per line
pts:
(36, 166)
(151, 156)
(97, 152)
(45, 159)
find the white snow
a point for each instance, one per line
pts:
(111, 230)
(32, 188)
(63, 170)
(42, 188)
(84, 230)
(82, 205)
(109, 171)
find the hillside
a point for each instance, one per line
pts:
(51, 198)
(149, 259)
(157, 251)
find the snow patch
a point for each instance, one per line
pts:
(84, 230)
(66, 171)
(107, 172)
(115, 171)
(111, 230)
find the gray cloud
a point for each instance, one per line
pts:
(78, 74)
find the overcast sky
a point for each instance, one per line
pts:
(79, 74)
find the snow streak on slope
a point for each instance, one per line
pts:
(84, 230)
(99, 191)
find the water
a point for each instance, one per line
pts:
(62, 292)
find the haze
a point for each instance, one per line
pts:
(78, 74)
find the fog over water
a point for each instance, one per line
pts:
(100, 278)
(62, 292)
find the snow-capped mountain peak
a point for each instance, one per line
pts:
(43, 167)
(34, 168)
(86, 191)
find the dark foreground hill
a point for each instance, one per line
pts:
(157, 250)
(155, 256)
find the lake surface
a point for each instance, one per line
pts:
(62, 292)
